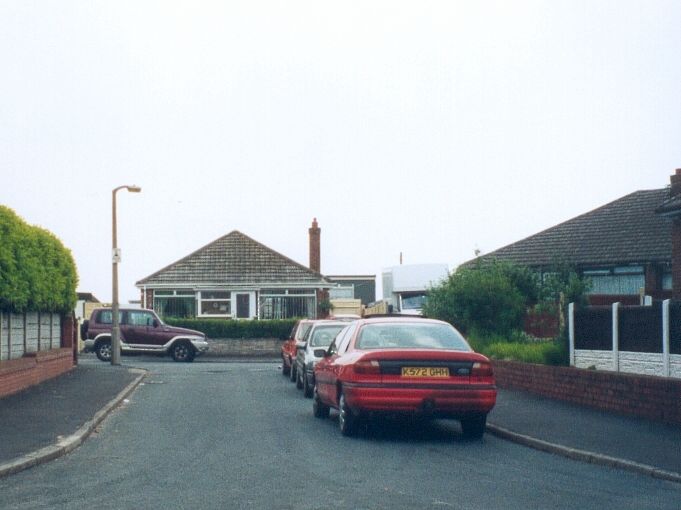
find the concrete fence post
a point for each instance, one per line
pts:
(616, 336)
(666, 369)
(571, 330)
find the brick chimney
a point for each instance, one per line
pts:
(315, 255)
(675, 181)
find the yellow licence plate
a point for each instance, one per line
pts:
(425, 372)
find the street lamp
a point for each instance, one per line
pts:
(116, 258)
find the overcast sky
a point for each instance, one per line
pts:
(427, 128)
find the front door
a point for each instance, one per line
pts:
(243, 306)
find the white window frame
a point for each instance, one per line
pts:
(200, 300)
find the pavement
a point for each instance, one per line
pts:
(51, 419)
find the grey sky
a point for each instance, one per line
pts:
(428, 128)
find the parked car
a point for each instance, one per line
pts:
(412, 366)
(319, 336)
(288, 348)
(141, 331)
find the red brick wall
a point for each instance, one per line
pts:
(34, 368)
(656, 398)
(149, 302)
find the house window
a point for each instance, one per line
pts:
(215, 304)
(666, 281)
(287, 304)
(175, 303)
(624, 280)
(342, 292)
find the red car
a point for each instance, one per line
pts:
(288, 348)
(412, 366)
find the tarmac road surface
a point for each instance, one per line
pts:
(239, 435)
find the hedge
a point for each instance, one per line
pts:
(222, 328)
(37, 272)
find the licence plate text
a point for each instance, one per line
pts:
(425, 372)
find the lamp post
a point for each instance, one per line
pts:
(116, 258)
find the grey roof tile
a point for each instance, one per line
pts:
(625, 231)
(235, 259)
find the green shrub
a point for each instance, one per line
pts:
(37, 273)
(527, 353)
(484, 299)
(223, 328)
(519, 346)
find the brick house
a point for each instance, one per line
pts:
(240, 278)
(625, 247)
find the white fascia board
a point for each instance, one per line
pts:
(244, 286)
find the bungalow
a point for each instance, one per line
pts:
(624, 247)
(238, 277)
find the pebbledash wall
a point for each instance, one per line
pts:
(34, 347)
(655, 398)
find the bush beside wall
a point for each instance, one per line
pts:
(220, 328)
(37, 273)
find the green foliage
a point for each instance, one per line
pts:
(325, 306)
(492, 297)
(540, 353)
(519, 346)
(229, 328)
(37, 273)
(487, 298)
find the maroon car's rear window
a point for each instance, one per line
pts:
(410, 336)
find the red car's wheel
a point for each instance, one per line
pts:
(346, 420)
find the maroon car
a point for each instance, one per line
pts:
(141, 331)
(412, 366)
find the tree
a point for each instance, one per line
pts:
(37, 273)
(486, 298)
(493, 296)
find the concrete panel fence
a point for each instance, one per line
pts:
(27, 333)
(34, 347)
(635, 340)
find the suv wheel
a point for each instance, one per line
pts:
(103, 350)
(182, 351)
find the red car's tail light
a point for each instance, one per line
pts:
(367, 367)
(482, 369)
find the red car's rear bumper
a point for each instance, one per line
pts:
(437, 399)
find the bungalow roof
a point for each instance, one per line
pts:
(625, 231)
(235, 259)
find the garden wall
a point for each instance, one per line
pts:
(244, 347)
(34, 348)
(655, 398)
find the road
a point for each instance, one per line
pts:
(239, 435)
